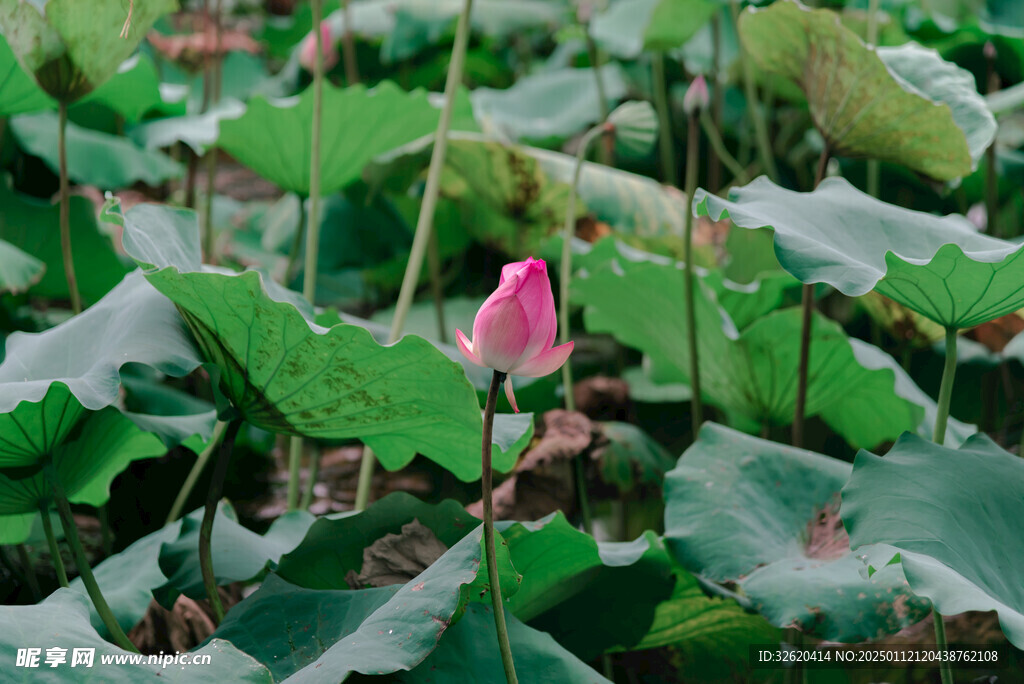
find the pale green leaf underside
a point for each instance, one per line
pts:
(18, 271)
(62, 620)
(860, 105)
(959, 546)
(940, 267)
(738, 509)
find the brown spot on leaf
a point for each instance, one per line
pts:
(826, 537)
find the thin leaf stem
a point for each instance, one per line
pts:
(67, 521)
(991, 176)
(220, 471)
(721, 152)
(197, 470)
(873, 166)
(764, 147)
(51, 541)
(314, 472)
(692, 157)
(425, 221)
(436, 286)
(28, 572)
(486, 484)
(666, 147)
(806, 319)
(348, 47)
(309, 275)
(65, 208)
(713, 121)
(594, 55)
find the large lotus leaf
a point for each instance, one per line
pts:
(950, 518)
(33, 226)
(288, 375)
(18, 271)
(538, 657)
(566, 574)
(238, 553)
(273, 137)
(18, 92)
(62, 621)
(549, 104)
(628, 27)
(402, 632)
(752, 372)
(132, 324)
(1000, 17)
(765, 516)
(198, 131)
(940, 267)
(713, 634)
(918, 111)
(94, 158)
(72, 47)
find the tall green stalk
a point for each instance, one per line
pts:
(425, 222)
(51, 541)
(313, 229)
(67, 521)
(197, 470)
(692, 157)
(873, 166)
(716, 160)
(564, 278)
(497, 603)
(807, 311)
(65, 209)
(939, 437)
(764, 146)
(991, 177)
(721, 152)
(594, 56)
(666, 148)
(348, 47)
(220, 472)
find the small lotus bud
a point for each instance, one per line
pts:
(696, 97)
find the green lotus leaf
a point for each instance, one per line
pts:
(753, 371)
(33, 226)
(628, 27)
(62, 621)
(132, 324)
(954, 530)
(940, 267)
(18, 271)
(19, 94)
(902, 105)
(131, 92)
(539, 658)
(239, 554)
(636, 128)
(765, 517)
(288, 375)
(402, 632)
(94, 158)
(72, 47)
(272, 137)
(552, 104)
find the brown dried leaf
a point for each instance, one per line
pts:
(826, 537)
(997, 334)
(183, 627)
(397, 558)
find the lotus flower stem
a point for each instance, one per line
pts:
(30, 575)
(209, 513)
(209, 256)
(692, 157)
(721, 152)
(991, 172)
(660, 88)
(314, 472)
(51, 540)
(564, 279)
(764, 146)
(313, 229)
(425, 221)
(807, 312)
(197, 470)
(939, 436)
(594, 55)
(296, 249)
(65, 209)
(497, 603)
(714, 119)
(67, 521)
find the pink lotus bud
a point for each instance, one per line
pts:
(307, 52)
(515, 328)
(696, 97)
